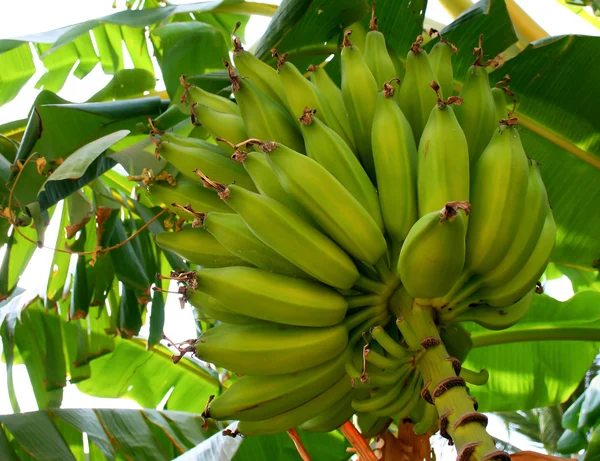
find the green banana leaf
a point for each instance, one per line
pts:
(541, 360)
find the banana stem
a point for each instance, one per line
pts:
(458, 419)
(366, 284)
(356, 440)
(356, 319)
(302, 451)
(383, 271)
(362, 301)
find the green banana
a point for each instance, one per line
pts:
(333, 103)
(175, 138)
(443, 159)
(186, 159)
(263, 118)
(371, 425)
(332, 417)
(404, 404)
(529, 229)
(433, 254)
(273, 297)
(193, 94)
(395, 157)
(254, 398)
(398, 67)
(499, 184)
(379, 399)
(219, 124)
(415, 98)
(327, 148)
(214, 309)
(440, 58)
(231, 231)
(389, 344)
(270, 349)
(198, 247)
(514, 289)
(297, 416)
(476, 115)
(263, 75)
(499, 94)
(376, 54)
(428, 421)
(187, 191)
(332, 207)
(292, 237)
(359, 90)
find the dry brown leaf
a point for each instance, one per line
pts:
(41, 164)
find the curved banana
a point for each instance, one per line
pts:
(300, 414)
(389, 344)
(263, 75)
(219, 124)
(443, 159)
(263, 118)
(440, 58)
(193, 94)
(529, 229)
(333, 102)
(379, 399)
(332, 207)
(332, 417)
(376, 54)
(273, 297)
(292, 237)
(214, 309)
(189, 141)
(198, 247)
(187, 191)
(433, 254)
(415, 98)
(327, 148)
(233, 233)
(404, 404)
(359, 90)
(514, 289)
(428, 420)
(254, 398)
(270, 349)
(371, 425)
(499, 184)
(476, 115)
(395, 158)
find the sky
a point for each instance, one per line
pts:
(16, 19)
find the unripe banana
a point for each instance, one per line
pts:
(371, 425)
(255, 398)
(395, 157)
(376, 54)
(231, 231)
(416, 98)
(333, 102)
(263, 75)
(188, 141)
(270, 349)
(443, 159)
(433, 254)
(499, 184)
(219, 124)
(187, 191)
(404, 404)
(497, 318)
(214, 309)
(428, 420)
(499, 94)
(186, 159)
(273, 297)
(529, 229)
(298, 415)
(332, 207)
(398, 68)
(329, 419)
(359, 90)
(476, 115)
(440, 58)
(198, 247)
(327, 148)
(192, 94)
(264, 118)
(526, 278)
(390, 345)
(292, 237)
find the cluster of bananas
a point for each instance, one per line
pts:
(320, 213)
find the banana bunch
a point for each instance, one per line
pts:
(333, 231)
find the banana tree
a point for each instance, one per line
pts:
(101, 171)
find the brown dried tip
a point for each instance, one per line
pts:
(539, 289)
(265, 146)
(466, 451)
(237, 43)
(281, 58)
(450, 211)
(416, 46)
(478, 53)
(206, 412)
(312, 68)
(373, 22)
(198, 217)
(307, 116)
(347, 41)
(505, 81)
(222, 190)
(434, 32)
(193, 117)
(388, 89)
(233, 78)
(185, 85)
(452, 100)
